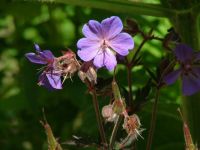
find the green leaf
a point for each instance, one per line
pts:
(128, 7)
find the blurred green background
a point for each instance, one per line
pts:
(69, 111)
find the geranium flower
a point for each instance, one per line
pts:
(103, 41)
(50, 77)
(189, 70)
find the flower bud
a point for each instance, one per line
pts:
(108, 113)
(88, 72)
(118, 106)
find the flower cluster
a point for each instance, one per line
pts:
(55, 68)
(98, 49)
(116, 109)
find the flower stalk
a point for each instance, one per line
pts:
(153, 120)
(114, 132)
(98, 117)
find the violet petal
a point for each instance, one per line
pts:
(110, 60)
(37, 48)
(87, 54)
(111, 27)
(43, 81)
(92, 30)
(47, 54)
(99, 60)
(183, 53)
(32, 57)
(122, 43)
(172, 77)
(88, 43)
(54, 80)
(191, 84)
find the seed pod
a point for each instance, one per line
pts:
(52, 142)
(189, 145)
(132, 125)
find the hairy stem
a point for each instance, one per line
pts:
(98, 117)
(153, 121)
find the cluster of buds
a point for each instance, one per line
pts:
(112, 112)
(118, 107)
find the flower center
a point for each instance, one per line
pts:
(187, 68)
(104, 45)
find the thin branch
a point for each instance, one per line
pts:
(153, 120)
(98, 117)
(114, 132)
(145, 39)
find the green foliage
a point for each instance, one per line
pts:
(57, 27)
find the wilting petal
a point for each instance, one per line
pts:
(111, 27)
(110, 60)
(47, 54)
(88, 43)
(191, 84)
(99, 60)
(87, 54)
(92, 30)
(32, 57)
(54, 80)
(122, 43)
(183, 53)
(172, 77)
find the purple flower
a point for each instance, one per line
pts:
(103, 41)
(189, 71)
(50, 77)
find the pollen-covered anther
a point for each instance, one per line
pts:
(68, 64)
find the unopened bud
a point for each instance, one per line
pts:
(115, 90)
(119, 106)
(108, 113)
(88, 72)
(82, 75)
(188, 138)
